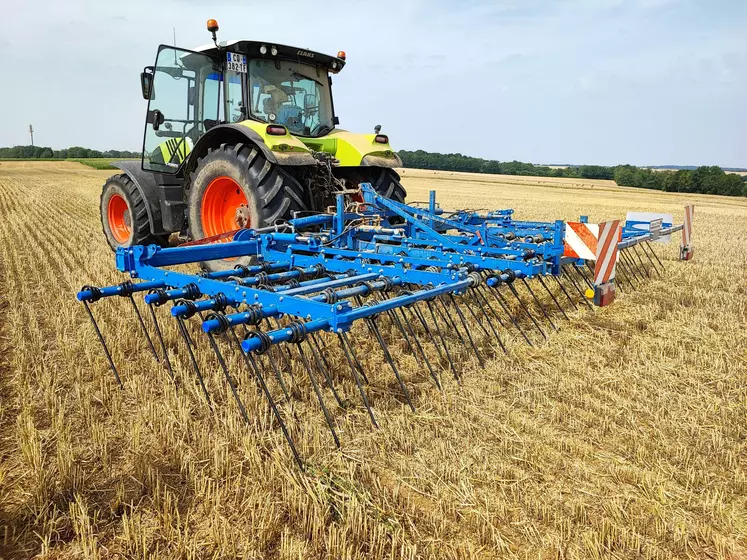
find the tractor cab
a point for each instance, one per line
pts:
(247, 82)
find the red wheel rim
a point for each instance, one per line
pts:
(222, 198)
(120, 220)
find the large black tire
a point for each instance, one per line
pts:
(386, 181)
(135, 215)
(271, 193)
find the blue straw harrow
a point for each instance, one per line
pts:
(440, 285)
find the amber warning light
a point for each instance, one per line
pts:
(212, 25)
(341, 55)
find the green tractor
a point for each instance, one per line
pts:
(239, 134)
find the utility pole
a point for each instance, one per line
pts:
(31, 132)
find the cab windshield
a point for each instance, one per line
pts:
(293, 95)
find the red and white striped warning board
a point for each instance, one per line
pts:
(606, 254)
(581, 240)
(687, 229)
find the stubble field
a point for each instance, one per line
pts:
(621, 436)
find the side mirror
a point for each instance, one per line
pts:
(310, 102)
(146, 83)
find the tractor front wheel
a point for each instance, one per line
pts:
(124, 218)
(235, 187)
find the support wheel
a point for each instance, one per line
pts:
(235, 187)
(124, 218)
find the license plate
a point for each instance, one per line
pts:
(236, 63)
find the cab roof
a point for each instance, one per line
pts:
(252, 50)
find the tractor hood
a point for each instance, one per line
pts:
(350, 149)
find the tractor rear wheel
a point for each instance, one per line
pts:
(233, 187)
(124, 218)
(386, 182)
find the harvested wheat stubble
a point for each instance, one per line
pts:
(622, 436)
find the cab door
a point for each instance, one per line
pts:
(183, 102)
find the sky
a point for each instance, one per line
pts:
(646, 82)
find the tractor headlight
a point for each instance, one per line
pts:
(271, 117)
(274, 51)
(334, 65)
(263, 49)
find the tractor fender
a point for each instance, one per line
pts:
(237, 134)
(145, 181)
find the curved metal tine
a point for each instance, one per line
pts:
(415, 312)
(169, 369)
(661, 264)
(249, 359)
(327, 415)
(580, 272)
(315, 341)
(480, 293)
(450, 323)
(395, 320)
(320, 366)
(420, 349)
(457, 374)
(390, 360)
(185, 336)
(467, 330)
(643, 265)
(103, 345)
(557, 304)
(344, 342)
(357, 362)
(145, 330)
(229, 379)
(580, 292)
(567, 295)
(629, 265)
(653, 264)
(539, 303)
(504, 305)
(621, 267)
(526, 309)
(487, 320)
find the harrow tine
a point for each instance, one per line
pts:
(142, 326)
(103, 344)
(249, 359)
(466, 328)
(415, 312)
(317, 391)
(504, 305)
(390, 360)
(454, 371)
(444, 315)
(655, 255)
(319, 347)
(420, 349)
(162, 343)
(490, 324)
(653, 264)
(344, 342)
(357, 363)
(623, 269)
(643, 266)
(539, 303)
(395, 320)
(526, 309)
(321, 367)
(630, 265)
(480, 295)
(229, 379)
(185, 336)
(542, 282)
(580, 272)
(578, 289)
(567, 295)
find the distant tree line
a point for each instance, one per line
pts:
(76, 152)
(706, 180)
